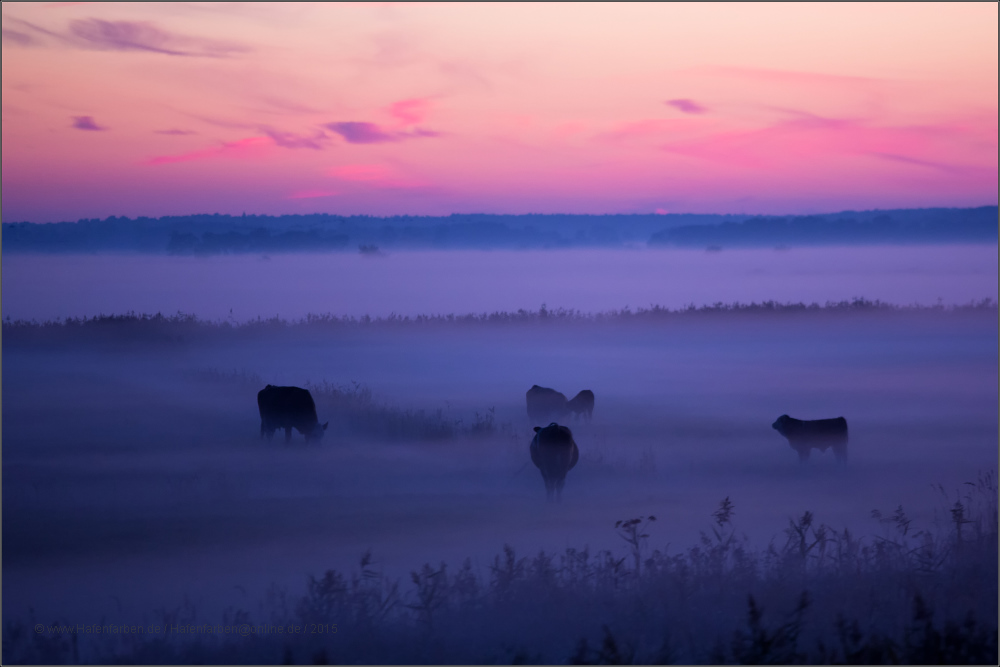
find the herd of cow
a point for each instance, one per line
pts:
(553, 450)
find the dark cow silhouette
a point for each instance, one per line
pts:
(545, 404)
(554, 453)
(818, 434)
(582, 404)
(288, 408)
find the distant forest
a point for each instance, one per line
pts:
(214, 234)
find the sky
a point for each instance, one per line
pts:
(152, 109)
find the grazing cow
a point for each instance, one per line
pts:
(545, 404)
(816, 434)
(554, 453)
(288, 408)
(582, 404)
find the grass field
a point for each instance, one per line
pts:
(137, 492)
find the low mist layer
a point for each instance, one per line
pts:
(135, 480)
(45, 287)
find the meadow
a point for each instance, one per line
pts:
(137, 491)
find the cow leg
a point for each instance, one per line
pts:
(840, 451)
(803, 454)
(288, 434)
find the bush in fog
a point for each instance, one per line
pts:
(353, 411)
(813, 595)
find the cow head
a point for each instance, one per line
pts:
(780, 423)
(317, 432)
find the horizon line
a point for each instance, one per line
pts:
(664, 214)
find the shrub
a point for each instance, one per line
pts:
(822, 596)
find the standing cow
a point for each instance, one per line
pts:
(582, 404)
(545, 404)
(288, 408)
(554, 453)
(818, 434)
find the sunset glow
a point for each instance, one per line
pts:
(171, 109)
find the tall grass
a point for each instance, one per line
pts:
(179, 328)
(812, 595)
(354, 411)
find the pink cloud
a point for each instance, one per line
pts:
(808, 139)
(316, 140)
(355, 132)
(100, 35)
(242, 148)
(292, 140)
(411, 111)
(123, 36)
(18, 38)
(361, 133)
(687, 106)
(311, 194)
(87, 123)
(38, 30)
(144, 36)
(932, 164)
(754, 148)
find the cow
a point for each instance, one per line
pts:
(288, 408)
(545, 404)
(818, 434)
(554, 453)
(582, 404)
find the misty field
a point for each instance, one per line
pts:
(417, 282)
(138, 493)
